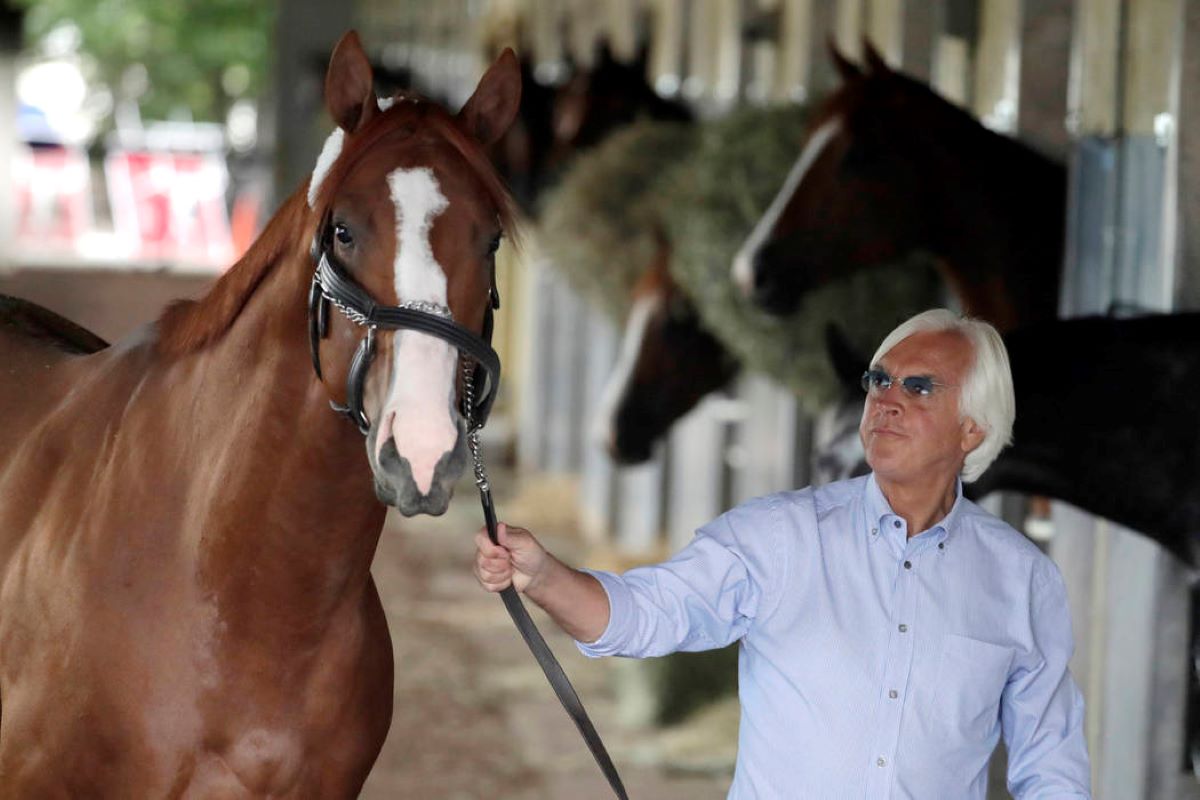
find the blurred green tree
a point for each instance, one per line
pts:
(169, 56)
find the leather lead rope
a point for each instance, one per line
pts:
(520, 616)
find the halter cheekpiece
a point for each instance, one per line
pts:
(332, 284)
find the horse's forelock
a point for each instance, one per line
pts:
(409, 114)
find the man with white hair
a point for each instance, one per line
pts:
(891, 630)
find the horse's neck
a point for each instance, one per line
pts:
(1001, 218)
(292, 522)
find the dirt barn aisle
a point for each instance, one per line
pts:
(474, 717)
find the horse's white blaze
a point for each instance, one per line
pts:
(418, 412)
(385, 103)
(604, 426)
(329, 153)
(743, 262)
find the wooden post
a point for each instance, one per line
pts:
(1044, 75)
(697, 470)
(997, 64)
(885, 28)
(597, 481)
(1187, 131)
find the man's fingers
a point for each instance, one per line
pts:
(493, 579)
(483, 543)
(493, 570)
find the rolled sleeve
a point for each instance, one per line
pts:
(1042, 707)
(704, 597)
(620, 604)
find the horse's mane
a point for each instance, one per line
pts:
(957, 123)
(189, 325)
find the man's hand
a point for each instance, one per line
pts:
(519, 559)
(575, 600)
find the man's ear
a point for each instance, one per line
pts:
(349, 84)
(493, 106)
(973, 435)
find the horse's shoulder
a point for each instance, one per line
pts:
(40, 326)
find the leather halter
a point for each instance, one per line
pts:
(332, 284)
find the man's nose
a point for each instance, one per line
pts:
(887, 402)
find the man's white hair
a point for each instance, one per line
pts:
(986, 395)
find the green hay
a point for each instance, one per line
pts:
(712, 202)
(597, 226)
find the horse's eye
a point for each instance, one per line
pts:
(494, 245)
(342, 234)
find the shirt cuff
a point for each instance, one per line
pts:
(620, 604)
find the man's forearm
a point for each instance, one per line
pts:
(573, 599)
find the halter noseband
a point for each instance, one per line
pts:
(332, 283)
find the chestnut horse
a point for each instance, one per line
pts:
(186, 529)
(890, 168)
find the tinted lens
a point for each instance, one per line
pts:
(918, 385)
(876, 379)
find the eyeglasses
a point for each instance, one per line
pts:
(913, 385)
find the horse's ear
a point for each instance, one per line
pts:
(493, 106)
(349, 84)
(845, 67)
(641, 59)
(876, 65)
(604, 52)
(848, 364)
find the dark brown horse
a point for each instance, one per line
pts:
(891, 168)
(186, 529)
(667, 362)
(612, 93)
(557, 122)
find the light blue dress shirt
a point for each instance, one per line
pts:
(871, 665)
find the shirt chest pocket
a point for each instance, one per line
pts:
(970, 679)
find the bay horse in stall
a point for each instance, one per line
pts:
(555, 123)
(186, 529)
(889, 169)
(667, 362)
(596, 101)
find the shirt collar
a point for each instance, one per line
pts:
(881, 520)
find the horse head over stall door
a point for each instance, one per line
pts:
(186, 529)
(890, 168)
(667, 362)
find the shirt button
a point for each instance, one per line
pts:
(908, 565)
(896, 523)
(893, 694)
(874, 531)
(881, 762)
(903, 628)
(941, 545)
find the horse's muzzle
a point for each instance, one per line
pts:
(395, 486)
